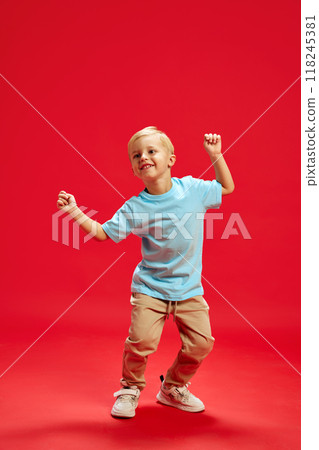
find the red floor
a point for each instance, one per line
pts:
(59, 394)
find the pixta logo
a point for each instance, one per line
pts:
(169, 226)
(230, 228)
(65, 228)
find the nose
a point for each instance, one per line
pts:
(143, 157)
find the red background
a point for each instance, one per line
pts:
(98, 72)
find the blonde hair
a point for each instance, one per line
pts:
(149, 131)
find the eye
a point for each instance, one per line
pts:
(152, 151)
(136, 155)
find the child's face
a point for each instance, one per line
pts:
(150, 158)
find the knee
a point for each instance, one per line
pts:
(204, 346)
(142, 346)
(208, 345)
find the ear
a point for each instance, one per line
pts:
(172, 160)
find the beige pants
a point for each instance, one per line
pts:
(147, 322)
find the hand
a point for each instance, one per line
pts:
(213, 145)
(66, 201)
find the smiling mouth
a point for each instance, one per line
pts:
(147, 166)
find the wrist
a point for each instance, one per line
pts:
(215, 157)
(74, 210)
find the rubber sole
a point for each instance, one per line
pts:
(165, 401)
(122, 416)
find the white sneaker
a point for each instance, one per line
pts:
(180, 397)
(126, 402)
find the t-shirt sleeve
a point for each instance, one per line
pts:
(120, 226)
(210, 192)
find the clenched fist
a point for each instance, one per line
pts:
(213, 145)
(66, 201)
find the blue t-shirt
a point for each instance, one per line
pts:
(171, 227)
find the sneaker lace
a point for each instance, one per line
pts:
(183, 391)
(127, 398)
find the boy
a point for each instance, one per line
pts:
(168, 215)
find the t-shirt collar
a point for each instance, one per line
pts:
(167, 194)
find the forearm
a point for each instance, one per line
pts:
(223, 175)
(87, 224)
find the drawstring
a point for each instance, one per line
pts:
(168, 309)
(174, 311)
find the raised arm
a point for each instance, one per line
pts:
(213, 146)
(67, 203)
